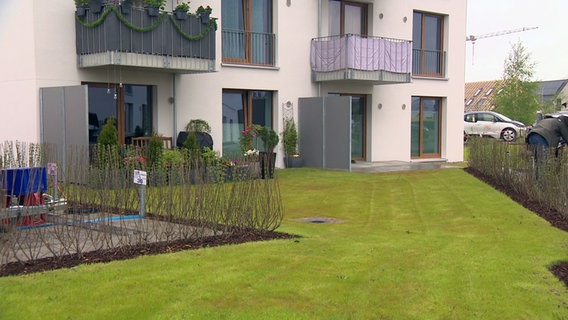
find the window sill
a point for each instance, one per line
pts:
(248, 66)
(430, 78)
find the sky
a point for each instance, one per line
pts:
(547, 45)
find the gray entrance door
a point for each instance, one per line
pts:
(324, 125)
(64, 120)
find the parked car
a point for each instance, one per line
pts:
(492, 124)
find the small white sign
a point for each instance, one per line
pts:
(140, 177)
(52, 169)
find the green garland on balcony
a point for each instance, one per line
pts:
(212, 24)
(101, 19)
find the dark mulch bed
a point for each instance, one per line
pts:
(555, 218)
(17, 268)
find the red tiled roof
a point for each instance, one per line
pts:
(479, 95)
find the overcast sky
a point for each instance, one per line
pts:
(547, 45)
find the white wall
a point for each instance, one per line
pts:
(18, 116)
(42, 54)
(391, 123)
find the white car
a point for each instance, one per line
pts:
(492, 124)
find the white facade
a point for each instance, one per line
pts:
(39, 51)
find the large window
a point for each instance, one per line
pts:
(247, 32)
(426, 129)
(346, 17)
(241, 108)
(427, 42)
(129, 105)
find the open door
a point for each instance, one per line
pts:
(324, 125)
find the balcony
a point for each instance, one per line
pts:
(136, 39)
(373, 60)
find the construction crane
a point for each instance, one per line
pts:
(474, 38)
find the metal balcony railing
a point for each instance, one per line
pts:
(360, 57)
(429, 63)
(140, 40)
(247, 47)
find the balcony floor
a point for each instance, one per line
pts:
(155, 62)
(371, 77)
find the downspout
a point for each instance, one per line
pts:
(320, 14)
(174, 109)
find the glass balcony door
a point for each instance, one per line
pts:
(426, 127)
(129, 105)
(247, 32)
(347, 17)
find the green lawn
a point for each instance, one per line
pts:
(436, 244)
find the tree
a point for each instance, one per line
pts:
(107, 149)
(517, 95)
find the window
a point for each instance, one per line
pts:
(129, 105)
(486, 117)
(247, 32)
(241, 108)
(481, 102)
(477, 92)
(426, 127)
(427, 41)
(347, 17)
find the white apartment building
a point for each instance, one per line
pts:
(366, 80)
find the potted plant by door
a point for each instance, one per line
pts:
(292, 158)
(153, 7)
(269, 139)
(181, 10)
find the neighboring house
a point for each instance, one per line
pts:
(479, 95)
(366, 80)
(554, 89)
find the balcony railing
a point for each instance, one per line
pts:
(247, 47)
(139, 40)
(429, 63)
(354, 57)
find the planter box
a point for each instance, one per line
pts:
(294, 162)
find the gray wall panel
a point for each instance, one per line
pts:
(64, 120)
(324, 126)
(337, 153)
(310, 130)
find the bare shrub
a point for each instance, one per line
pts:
(514, 165)
(100, 205)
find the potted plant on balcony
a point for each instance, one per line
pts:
(292, 158)
(269, 139)
(204, 13)
(153, 7)
(125, 6)
(95, 6)
(81, 6)
(181, 10)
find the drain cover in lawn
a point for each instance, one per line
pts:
(319, 220)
